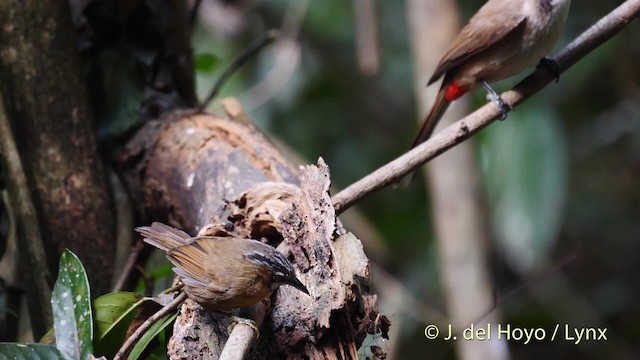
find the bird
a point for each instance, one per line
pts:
(502, 39)
(223, 273)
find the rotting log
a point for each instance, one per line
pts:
(216, 175)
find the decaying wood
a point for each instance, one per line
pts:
(215, 174)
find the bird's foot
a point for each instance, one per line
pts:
(493, 96)
(504, 108)
(235, 320)
(551, 65)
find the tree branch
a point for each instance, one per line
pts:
(128, 267)
(456, 133)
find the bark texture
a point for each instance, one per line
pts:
(42, 84)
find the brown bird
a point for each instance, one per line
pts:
(223, 273)
(501, 40)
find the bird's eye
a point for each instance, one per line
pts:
(278, 275)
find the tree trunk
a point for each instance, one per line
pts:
(43, 88)
(457, 202)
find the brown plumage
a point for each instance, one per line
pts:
(222, 273)
(503, 38)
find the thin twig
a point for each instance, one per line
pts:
(135, 337)
(403, 300)
(253, 48)
(194, 13)
(536, 278)
(286, 58)
(146, 278)
(176, 287)
(128, 266)
(124, 224)
(461, 130)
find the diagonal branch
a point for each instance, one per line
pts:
(458, 132)
(133, 339)
(246, 54)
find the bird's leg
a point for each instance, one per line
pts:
(493, 96)
(251, 316)
(551, 65)
(235, 320)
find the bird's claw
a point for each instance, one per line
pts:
(493, 96)
(551, 65)
(239, 320)
(504, 108)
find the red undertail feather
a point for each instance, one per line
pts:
(454, 91)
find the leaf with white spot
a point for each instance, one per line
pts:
(29, 351)
(71, 304)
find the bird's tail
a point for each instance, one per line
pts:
(437, 110)
(163, 236)
(439, 107)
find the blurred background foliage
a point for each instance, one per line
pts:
(560, 176)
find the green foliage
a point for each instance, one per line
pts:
(526, 186)
(114, 313)
(158, 327)
(73, 325)
(71, 304)
(206, 62)
(29, 351)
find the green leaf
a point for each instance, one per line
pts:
(164, 271)
(29, 351)
(150, 334)
(159, 351)
(524, 163)
(206, 62)
(71, 304)
(113, 314)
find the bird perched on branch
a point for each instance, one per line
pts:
(501, 40)
(223, 273)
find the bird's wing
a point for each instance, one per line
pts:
(191, 260)
(487, 27)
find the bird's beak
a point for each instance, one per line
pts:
(293, 281)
